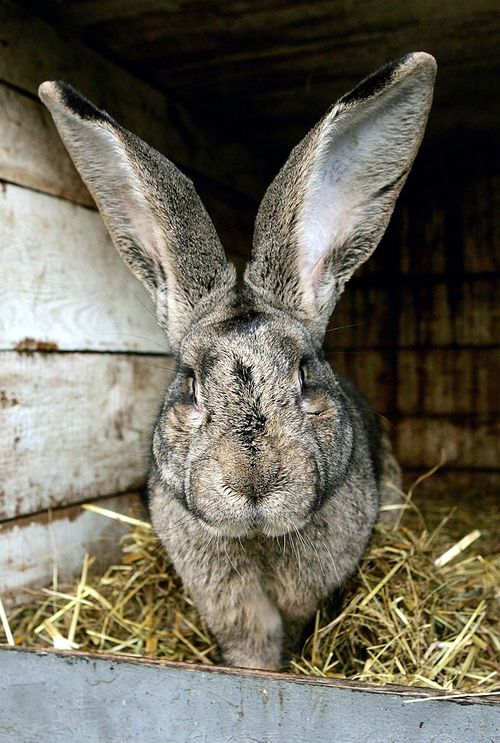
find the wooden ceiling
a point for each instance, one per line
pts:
(260, 72)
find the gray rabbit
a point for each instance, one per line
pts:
(267, 470)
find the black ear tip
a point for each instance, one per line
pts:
(372, 84)
(398, 68)
(56, 93)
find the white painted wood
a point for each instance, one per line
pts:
(74, 426)
(34, 549)
(31, 151)
(63, 282)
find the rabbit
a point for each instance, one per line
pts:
(267, 471)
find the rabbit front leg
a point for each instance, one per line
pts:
(247, 625)
(225, 585)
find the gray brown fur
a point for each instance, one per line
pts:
(267, 469)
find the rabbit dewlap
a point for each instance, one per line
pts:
(268, 470)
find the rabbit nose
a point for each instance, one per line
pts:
(254, 486)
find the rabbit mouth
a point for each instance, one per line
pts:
(256, 527)
(265, 516)
(269, 503)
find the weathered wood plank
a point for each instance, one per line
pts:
(468, 442)
(74, 426)
(373, 313)
(447, 313)
(37, 548)
(363, 318)
(462, 484)
(448, 381)
(33, 51)
(372, 371)
(122, 700)
(447, 221)
(31, 151)
(64, 283)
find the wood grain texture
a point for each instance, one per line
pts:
(34, 549)
(468, 442)
(269, 68)
(75, 426)
(63, 282)
(446, 223)
(363, 317)
(33, 51)
(371, 371)
(31, 151)
(122, 700)
(449, 381)
(465, 312)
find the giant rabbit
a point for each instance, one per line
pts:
(268, 470)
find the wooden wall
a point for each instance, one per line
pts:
(424, 317)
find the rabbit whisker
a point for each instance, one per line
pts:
(313, 546)
(283, 553)
(139, 360)
(343, 327)
(241, 545)
(166, 350)
(374, 412)
(179, 552)
(180, 522)
(334, 564)
(297, 551)
(232, 563)
(148, 309)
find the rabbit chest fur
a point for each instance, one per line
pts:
(268, 468)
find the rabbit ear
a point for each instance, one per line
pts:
(151, 210)
(327, 209)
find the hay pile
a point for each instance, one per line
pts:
(417, 613)
(135, 608)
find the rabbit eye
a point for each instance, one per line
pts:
(301, 379)
(195, 392)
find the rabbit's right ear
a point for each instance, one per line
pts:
(152, 211)
(328, 207)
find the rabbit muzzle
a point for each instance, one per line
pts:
(237, 497)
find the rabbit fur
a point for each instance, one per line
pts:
(268, 469)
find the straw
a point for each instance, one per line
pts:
(457, 548)
(422, 609)
(5, 625)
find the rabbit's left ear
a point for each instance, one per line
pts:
(328, 207)
(152, 211)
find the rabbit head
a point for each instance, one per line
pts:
(253, 433)
(257, 434)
